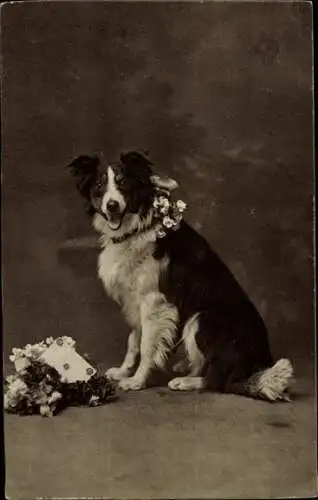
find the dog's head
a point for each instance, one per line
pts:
(118, 190)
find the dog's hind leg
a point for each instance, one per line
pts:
(194, 380)
(126, 368)
(159, 321)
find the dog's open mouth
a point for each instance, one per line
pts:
(114, 220)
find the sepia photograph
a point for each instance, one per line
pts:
(158, 257)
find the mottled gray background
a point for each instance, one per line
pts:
(220, 93)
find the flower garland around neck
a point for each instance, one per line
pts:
(168, 213)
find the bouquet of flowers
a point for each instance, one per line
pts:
(167, 212)
(51, 375)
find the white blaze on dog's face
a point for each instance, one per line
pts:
(119, 192)
(113, 204)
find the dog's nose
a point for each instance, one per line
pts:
(112, 206)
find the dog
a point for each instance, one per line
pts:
(173, 288)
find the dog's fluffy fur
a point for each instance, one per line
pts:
(173, 290)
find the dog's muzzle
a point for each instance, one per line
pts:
(113, 214)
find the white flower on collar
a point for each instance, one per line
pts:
(181, 205)
(168, 222)
(161, 202)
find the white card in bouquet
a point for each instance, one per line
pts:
(70, 365)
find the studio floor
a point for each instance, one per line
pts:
(160, 444)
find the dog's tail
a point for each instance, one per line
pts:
(271, 384)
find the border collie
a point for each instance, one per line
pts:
(172, 287)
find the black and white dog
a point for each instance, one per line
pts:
(173, 289)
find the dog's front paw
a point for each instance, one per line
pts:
(187, 383)
(116, 373)
(131, 384)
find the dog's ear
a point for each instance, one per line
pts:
(164, 183)
(136, 158)
(84, 168)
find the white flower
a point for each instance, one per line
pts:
(49, 340)
(11, 378)
(45, 411)
(164, 210)
(28, 350)
(93, 401)
(21, 364)
(55, 396)
(164, 202)
(31, 351)
(36, 350)
(181, 205)
(68, 341)
(17, 387)
(168, 222)
(17, 352)
(161, 202)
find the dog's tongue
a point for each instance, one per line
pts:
(114, 221)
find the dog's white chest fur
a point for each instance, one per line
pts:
(129, 272)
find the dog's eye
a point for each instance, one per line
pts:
(119, 179)
(98, 188)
